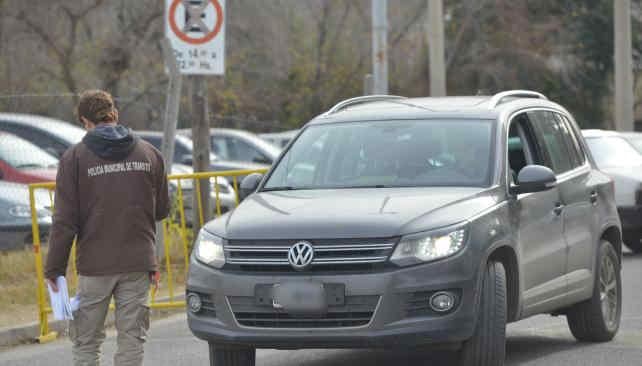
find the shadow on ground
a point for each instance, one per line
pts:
(519, 350)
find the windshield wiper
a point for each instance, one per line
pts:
(370, 186)
(279, 188)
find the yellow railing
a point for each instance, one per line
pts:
(175, 224)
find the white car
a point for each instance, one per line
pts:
(615, 156)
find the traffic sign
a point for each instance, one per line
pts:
(196, 30)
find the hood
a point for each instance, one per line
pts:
(110, 142)
(627, 181)
(349, 213)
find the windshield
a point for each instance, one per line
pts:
(21, 154)
(636, 141)
(387, 154)
(613, 152)
(65, 131)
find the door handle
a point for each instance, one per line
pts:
(593, 197)
(558, 209)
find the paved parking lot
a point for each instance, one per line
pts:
(542, 340)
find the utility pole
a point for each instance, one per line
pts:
(380, 46)
(201, 138)
(435, 30)
(171, 104)
(169, 123)
(623, 66)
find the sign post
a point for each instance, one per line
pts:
(196, 31)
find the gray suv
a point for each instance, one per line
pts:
(399, 222)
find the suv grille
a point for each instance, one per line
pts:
(357, 311)
(334, 254)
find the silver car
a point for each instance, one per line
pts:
(615, 156)
(15, 215)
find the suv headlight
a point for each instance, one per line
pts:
(426, 247)
(209, 249)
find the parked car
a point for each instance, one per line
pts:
(620, 160)
(635, 139)
(51, 135)
(184, 149)
(15, 216)
(408, 229)
(279, 139)
(24, 162)
(226, 195)
(240, 146)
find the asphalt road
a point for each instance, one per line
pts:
(542, 340)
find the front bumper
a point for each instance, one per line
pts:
(391, 323)
(631, 218)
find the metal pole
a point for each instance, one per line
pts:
(171, 104)
(201, 138)
(169, 125)
(623, 66)
(380, 46)
(435, 30)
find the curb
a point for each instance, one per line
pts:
(29, 333)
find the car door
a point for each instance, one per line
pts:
(538, 225)
(579, 195)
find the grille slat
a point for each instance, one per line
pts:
(335, 253)
(357, 311)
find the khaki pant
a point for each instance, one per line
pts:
(87, 330)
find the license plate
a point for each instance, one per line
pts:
(299, 297)
(264, 294)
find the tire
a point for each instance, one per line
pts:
(633, 242)
(487, 346)
(223, 356)
(587, 320)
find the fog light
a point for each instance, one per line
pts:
(442, 302)
(194, 302)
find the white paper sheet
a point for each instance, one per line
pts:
(60, 304)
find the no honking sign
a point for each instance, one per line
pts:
(196, 30)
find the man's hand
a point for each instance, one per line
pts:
(52, 284)
(154, 277)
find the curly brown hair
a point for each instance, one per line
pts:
(97, 106)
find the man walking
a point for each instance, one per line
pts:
(110, 190)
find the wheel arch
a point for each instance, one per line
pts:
(613, 235)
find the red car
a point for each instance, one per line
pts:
(23, 162)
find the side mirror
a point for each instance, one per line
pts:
(261, 160)
(249, 184)
(534, 178)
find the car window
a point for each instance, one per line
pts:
(550, 135)
(521, 145)
(220, 148)
(570, 137)
(242, 151)
(21, 154)
(388, 154)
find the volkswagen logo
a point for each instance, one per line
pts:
(301, 255)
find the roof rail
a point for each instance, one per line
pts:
(496, 99)
(358, 100)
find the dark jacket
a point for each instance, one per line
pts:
(110, 190)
